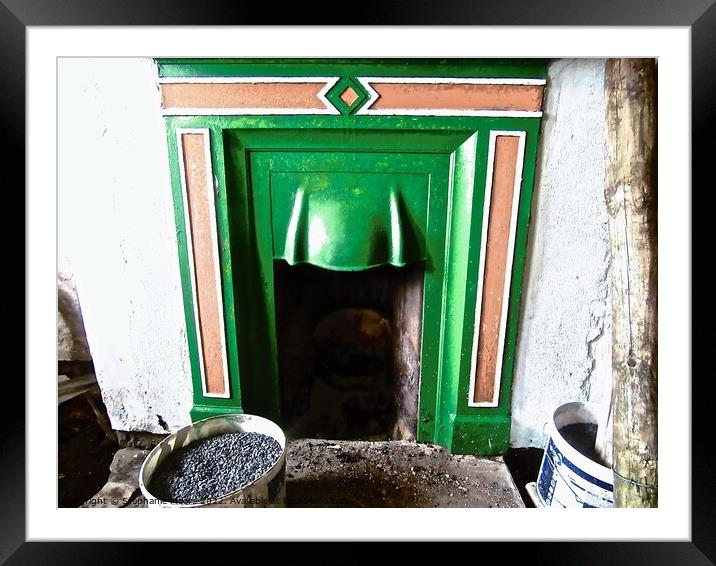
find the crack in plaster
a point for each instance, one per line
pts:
(586, 385)
(162, 423)
(597, 323)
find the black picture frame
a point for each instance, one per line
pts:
(699, 15)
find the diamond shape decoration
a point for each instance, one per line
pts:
(347, 95)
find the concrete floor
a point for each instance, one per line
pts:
(324, 473)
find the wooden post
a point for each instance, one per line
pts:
(631, 196)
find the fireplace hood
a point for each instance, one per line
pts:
(350, 222)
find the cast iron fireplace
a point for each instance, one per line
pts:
(351, 239)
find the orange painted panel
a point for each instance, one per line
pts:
(199, 191)
(242, 95)
(496, 254)
(396, 96)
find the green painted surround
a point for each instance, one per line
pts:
(445, 159)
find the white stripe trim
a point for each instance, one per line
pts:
(519, 165)
(481, 269)
(447, 112)
(215, 253)
(453, 80)
(182, 111)
(176, 111)
(365, 110)
(410, 80)
(190, 244)
(330, 83)
(519, 168)
(243, 80)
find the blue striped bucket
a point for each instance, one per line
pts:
(567, 478)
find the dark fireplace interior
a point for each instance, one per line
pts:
(349, 351)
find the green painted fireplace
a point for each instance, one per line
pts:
(344, 169)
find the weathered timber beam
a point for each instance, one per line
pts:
(631, 195)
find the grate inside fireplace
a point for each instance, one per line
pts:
(349, 351)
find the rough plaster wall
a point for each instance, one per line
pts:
(564, 346)
(71, 337)
(116, 228)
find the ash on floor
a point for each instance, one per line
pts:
(344, 473)
(321, 473)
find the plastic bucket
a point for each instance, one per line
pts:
(268, 490)
(567, 478)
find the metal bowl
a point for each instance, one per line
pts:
(268, 490)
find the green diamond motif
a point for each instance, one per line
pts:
(347, 95)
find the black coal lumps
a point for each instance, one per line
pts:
(211, 468)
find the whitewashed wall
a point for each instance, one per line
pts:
(117, 237)
(564, 347)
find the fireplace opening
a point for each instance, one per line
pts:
(349, 351)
